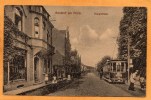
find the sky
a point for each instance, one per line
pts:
(93, 30)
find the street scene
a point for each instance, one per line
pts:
(75, 51)
(91, 85)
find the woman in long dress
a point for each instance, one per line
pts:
(132, 80)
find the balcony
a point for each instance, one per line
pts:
(40, 43)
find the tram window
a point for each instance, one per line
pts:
(122, 66)
(109, 68)
(118, 67)
(114, 67)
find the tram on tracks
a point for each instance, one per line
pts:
(115, 71)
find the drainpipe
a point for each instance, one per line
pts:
(51, 56)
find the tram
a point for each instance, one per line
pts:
(115, 71)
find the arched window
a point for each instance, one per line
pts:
(18, 18)
(44, 25)
(36, 26)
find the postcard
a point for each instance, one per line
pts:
(75, 51)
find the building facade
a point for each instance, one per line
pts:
(59, 42)
(61, 58)
(28, 60)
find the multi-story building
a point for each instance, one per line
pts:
(59, 42)
(28, 60)
(68, 62)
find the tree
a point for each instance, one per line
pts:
(10, 51)
(133, 26)
(102, 62)
(76, 63)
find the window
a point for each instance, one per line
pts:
(114, 67)
(44, 25)
(49, 70)
(36, 21)
(35, 9)
(48, 37)
(118, 66)
(18, 66)
(36, 26)
(122, 66)
(45, 66)
(18, 18)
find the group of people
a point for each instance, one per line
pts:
(135, 77)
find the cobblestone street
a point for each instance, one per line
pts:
(91, 85)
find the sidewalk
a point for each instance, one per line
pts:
(136, 85)
(25, 89)
(37, 88)
(138, 91)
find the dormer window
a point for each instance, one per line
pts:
(36, 26)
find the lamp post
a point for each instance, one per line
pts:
(129, 60)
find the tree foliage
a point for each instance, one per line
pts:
(133, 26)
(8, 39)
(11, 32)
(102, 62)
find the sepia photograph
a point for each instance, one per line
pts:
(81, 51)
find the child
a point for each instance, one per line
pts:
(142, 83)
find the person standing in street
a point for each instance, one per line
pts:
(101, 73)
(132, 80)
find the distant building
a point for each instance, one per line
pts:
(28, 60)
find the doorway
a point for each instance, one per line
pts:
(36, 69)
